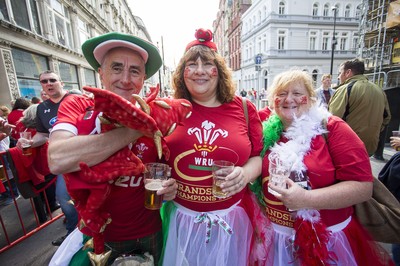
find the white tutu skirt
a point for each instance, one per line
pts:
(67, 249)
(201, 239)
(338, 244)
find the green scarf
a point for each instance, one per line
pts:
(272, 130)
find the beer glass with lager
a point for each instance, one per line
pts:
(154, 175)
(220, 169)
(26, 138)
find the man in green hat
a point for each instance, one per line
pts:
(124, 62)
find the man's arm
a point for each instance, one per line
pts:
(338, 102)
(38, 139)
(67, 150)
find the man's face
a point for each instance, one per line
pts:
(51, 85)
(123, 72)
(344, 74)
(327, 82)
(43, 95)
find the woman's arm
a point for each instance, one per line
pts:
(339, 195)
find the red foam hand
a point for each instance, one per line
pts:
(123, 111)
(122, 163)
(167, 113)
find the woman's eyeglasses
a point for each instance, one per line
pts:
(45, 81)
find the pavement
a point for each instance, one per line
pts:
(37, 249)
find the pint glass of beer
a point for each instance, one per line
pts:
(26, 142)
(220, 169)
(154, 175)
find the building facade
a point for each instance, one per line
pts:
(39, 35)
(279, 35)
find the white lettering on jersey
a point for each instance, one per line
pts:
(128, 181)
(203, 161)
(47, 111)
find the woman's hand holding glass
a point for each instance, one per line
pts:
(234, 182)
(292, 195)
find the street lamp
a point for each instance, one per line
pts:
(334, 8)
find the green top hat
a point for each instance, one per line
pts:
(94, 50)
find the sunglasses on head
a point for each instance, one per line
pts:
(45, 81)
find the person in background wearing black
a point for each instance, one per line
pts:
(382, 136)
(46, 116)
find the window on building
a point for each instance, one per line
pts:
(325, 40)
(313, 40)
(347, 11)
(314, 77)
(23, 12)
(35, 16)
(28, 66)
(326, 10)
(281, 10)
(84, 32)
(20, 14)
(358, 11)
(3, 11)
(69, 75)
(343, 41)
(265, 44)
(264, 12)
(61, 23)
(281, 39)
(315, 9)
(90, 77)
(355, 41)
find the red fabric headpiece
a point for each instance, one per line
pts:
(204, 37)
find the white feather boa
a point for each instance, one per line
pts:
(310, 233)
(300, 134)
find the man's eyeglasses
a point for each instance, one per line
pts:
(45, 81)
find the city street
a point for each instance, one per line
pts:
(37, 250)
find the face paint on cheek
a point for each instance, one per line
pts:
(277, 101)
(214, 72)
(187, 71)
(303, 100)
